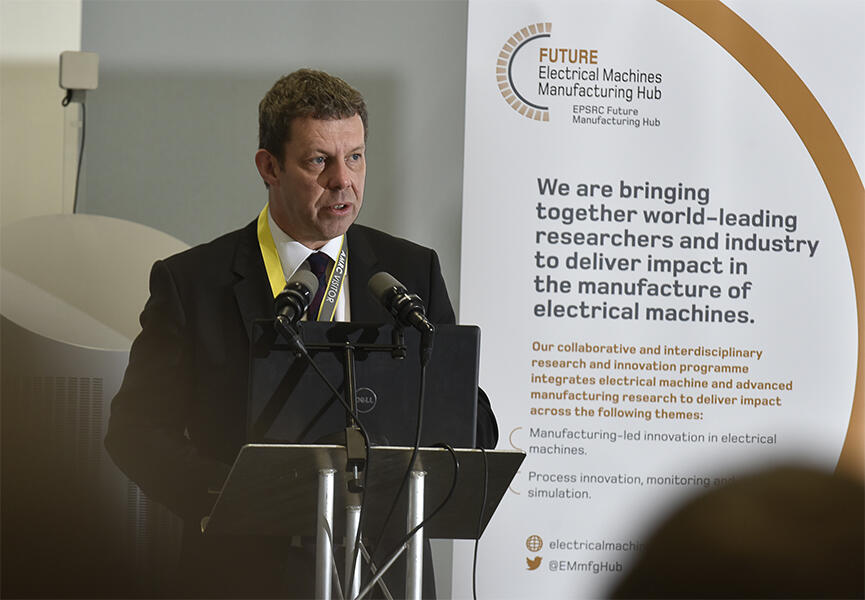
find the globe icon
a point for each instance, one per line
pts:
(534, 543)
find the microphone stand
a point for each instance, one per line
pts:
(355, 445)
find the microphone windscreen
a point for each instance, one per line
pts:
(306, 279)
(381, 284)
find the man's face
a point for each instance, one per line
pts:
(318, 190)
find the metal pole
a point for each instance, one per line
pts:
(352, 522)
(324, 525)
(350, 383)
(414, 554)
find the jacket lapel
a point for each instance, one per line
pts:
(252, 290)
(362, 264)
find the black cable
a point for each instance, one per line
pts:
(65, 102)
(338, 395)
(426, 352)
(415, 449)
(416, 528)
(441, 505)
(80, 156)
(302, 350)
(360, 521)
(480, 526)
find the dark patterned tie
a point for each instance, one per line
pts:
(319, 262)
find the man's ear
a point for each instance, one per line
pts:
(268, 166)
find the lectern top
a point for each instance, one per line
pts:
(272, 488)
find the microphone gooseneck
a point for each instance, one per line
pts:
(291, 303)
(407, 309)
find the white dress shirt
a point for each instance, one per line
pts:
(293, 256)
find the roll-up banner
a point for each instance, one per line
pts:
(663, 246)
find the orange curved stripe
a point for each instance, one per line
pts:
(827, 150)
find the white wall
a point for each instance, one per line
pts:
(34, 128)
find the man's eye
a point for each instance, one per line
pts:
(318, 160)
(356, 156)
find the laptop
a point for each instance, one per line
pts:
(289, 403)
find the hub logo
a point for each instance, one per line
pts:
(513, 70)
(546, 79)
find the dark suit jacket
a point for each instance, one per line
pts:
(179, 419)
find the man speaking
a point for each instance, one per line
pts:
(179, 419)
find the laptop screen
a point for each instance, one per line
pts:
(289, 403)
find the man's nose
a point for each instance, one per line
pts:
(337, 176)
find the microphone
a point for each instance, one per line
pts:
(406, 308)
(295, 298)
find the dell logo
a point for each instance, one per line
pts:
(366, 400)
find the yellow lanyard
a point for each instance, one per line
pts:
(276, 275)
(327, 310)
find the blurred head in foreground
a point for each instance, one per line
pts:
(785, 533)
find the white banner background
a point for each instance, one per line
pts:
(592, 482)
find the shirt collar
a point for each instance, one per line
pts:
(292, 254)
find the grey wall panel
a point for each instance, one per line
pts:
(172, 129)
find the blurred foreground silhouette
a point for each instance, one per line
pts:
(785, 533)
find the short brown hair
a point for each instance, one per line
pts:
(304, 93)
